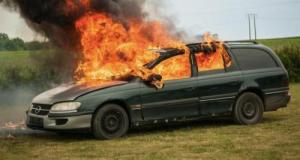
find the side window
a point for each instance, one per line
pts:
(178, 67)
(213, 62)
(250, 59)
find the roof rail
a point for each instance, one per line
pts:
(241, 42)
(199, 43)
(228, 42)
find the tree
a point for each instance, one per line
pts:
(10, 46)
(3, 37)
(19, 43)
(3, 40)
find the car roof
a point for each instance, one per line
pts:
(247, 45)
(236, 44)
(243, 44)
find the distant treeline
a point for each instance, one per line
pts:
(17, 44)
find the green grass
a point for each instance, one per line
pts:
(280, 42)
(15, 58)
(16, 66)
(276, 138)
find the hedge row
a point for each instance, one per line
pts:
(290, 57)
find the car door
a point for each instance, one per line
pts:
(178, 98)
(218, 87)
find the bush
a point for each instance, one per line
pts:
(40, 69)
(290, 57)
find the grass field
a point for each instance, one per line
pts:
(15, 58)
(280, 42)
(38, 68)
(277, 137)
(16, 65)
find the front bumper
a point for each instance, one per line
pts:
(58, 123)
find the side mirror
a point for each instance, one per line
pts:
(156, 80)
(154, 77)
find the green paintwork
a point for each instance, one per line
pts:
(200, 95)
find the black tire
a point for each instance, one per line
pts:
(249, 109)
(109, 122)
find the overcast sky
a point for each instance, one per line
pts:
(228, 18)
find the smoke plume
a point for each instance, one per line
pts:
(55, 18)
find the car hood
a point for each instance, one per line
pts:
(69, 92)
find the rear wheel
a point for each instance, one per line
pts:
(248, 109)
(111, 121)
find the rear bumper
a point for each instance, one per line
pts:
(58, 123)
(278, 102)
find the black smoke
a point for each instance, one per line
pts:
(49, 17)
(56, 21)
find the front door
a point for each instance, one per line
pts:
(179, 96)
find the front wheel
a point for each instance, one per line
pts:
(111, 121)
(248, 109)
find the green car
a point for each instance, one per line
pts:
(255, 81)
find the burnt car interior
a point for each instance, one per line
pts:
(164, 54)
(203, 49)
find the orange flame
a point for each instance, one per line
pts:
(113, 50)
(213, 61)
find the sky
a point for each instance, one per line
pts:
(227, 18)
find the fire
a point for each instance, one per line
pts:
(113, 49)
(215, 60)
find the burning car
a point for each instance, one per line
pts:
(238, 79)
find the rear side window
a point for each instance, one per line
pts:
(250, 59)
(213, 63)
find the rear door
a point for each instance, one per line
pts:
(219, 81)
(178, 97)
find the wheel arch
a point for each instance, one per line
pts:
(255, 90)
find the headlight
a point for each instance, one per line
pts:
(66, 107)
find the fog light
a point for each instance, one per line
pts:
(61, 121)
